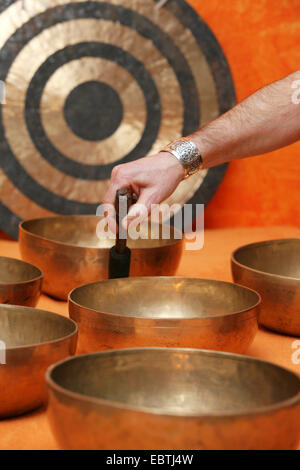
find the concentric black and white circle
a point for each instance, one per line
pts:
(92, 84)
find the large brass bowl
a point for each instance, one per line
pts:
(159, 398)
(272, 268)
(70, 254)
(164, 311)
(30, 341)
(20, 282)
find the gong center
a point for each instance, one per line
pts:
(93, 110)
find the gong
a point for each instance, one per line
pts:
(92, 84)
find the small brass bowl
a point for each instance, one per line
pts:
(70, 254)
(164, 311)
(159, 398)
(30, 341)
(272, 268)
(20, 282)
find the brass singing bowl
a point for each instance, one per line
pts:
(70, 254)
(20, 282)
(159, 398)
(30, 341)
(164, 312)
(272, 268)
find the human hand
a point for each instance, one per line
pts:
(152, 179)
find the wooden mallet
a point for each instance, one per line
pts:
(120, 254)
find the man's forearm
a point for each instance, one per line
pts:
(267, 120)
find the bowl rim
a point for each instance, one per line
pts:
(28, 281)
(39, 312)
(173, 242)
(258, 271)
(171, 319)
(51, 384)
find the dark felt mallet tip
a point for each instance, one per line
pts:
(119, 264)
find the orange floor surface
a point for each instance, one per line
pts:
(32, 431)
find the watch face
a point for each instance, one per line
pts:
(92, 84)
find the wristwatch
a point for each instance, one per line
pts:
(188, 154)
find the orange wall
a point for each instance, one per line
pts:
(261, 40)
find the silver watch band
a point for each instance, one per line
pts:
(188, 154)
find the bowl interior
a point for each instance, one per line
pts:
(21, 326)
(13, 271)
(82, 231)
(177, 381)
(280, 257)
(165, 297)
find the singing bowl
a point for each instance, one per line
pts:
(20, 282)
(272, 268)
(70, 254)
(30, 341)
(164, 312)
(159, 398)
